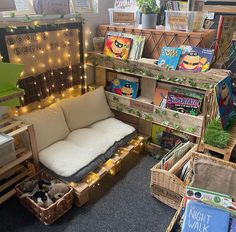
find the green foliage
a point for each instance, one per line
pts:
(148, 6)
(216, 136)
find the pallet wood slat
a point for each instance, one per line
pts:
(7, 196)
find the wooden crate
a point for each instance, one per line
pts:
(111, 166)
(160, 37)
(166, 186)
(20, 168)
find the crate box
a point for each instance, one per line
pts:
(185, 20)
(7, 149)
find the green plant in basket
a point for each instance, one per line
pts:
(216, 136)
(148, 6)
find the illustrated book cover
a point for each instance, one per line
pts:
(169, 58)
(160, 97)
(195, 59)
(224, 95)
(118, 47)
(202, 217)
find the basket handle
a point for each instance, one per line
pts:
(61, 203)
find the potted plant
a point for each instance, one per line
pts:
(149, 10)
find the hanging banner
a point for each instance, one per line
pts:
(43, 51)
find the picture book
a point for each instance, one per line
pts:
(177, 154)
(224, 97)
(195, 59)
(169, 57)
(157, 132)
(188, 93)
(160, 97)
(233, 225)
(118, 47)
(138, 43)
(180, 103)
(125, 87)
(185, 170)
(201, 217)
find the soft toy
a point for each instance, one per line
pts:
(29, 186)
(57, 191)
(42, 199)
(44, 185)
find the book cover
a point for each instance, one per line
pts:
(195, 59)
(157, 132)
(169, 57)
(125, 88)
(233, 225)
(180, 103)
(224, 95)
(118, 47)
(160, 97)
(201, 217)
(169, 140)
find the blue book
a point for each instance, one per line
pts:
(169, 57)
(199, 217)
(233, 225)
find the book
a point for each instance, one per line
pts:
(138, 43)
(180, 103)
(125, 88)
(224, 95)
(157, 132)
(185, 171)
(169, 140)
(233, 225)
(195, 59)
(201, 217)
(160, 97)
(116, 46)
(169, 58)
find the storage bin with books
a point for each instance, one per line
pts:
(46, 197)
(168, 176)
(206, 196)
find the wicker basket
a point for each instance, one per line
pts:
(53, 212)
(166, 186)
(195, 155)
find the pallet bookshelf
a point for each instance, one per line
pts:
(151, 75)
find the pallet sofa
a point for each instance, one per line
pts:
(79, 140)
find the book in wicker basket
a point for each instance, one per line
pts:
(53, 212)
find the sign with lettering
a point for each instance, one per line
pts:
(44, 51)
(123, 17)
(142, 106)
(7, 5)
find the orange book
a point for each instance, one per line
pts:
(160, 97)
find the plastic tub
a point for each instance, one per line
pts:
(185, 20)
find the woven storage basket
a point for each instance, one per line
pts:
(166, 186)
(195, 155)
(53, 212)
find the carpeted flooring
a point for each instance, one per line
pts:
(120, 203)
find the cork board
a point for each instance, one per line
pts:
(43, 51)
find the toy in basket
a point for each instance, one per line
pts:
(46, 197)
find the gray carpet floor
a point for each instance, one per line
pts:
(120, 203)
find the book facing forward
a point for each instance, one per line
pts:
(199, 217)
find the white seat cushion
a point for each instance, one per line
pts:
(82, 146)
(64, 158)
(49, 125)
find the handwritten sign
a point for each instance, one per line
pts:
(44, 50)
(123, 17)
(142, 106)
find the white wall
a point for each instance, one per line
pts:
(92, 20)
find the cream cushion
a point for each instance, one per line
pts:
(82, 146)
(85, 110)
(49, 125)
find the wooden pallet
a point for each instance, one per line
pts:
(20, 168)
(111, 166)
(226, 152)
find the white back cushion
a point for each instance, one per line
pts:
(49, 125)
(85, 110)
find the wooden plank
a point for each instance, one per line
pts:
(166, 117)
(7, 196)
(14, 180)
(220, 9)
(22, 128)
(15, 162)
(12, 125)
(5, 121)
(11, 172)
(11, 96)
(146, 68)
